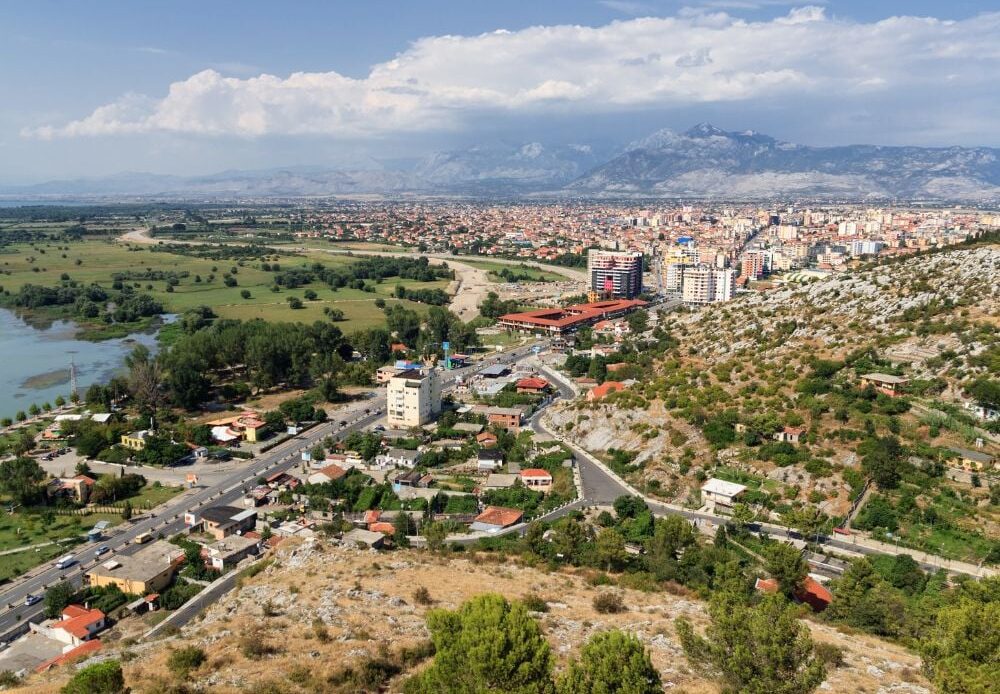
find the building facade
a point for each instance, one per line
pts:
(615, 274)
(413, 398)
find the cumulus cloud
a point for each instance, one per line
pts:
(447, 82)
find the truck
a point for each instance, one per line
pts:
(143, 538)
(65, 562)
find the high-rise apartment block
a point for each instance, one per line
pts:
(753, 265)
(615, 274)
(413, 397)
(704, 285)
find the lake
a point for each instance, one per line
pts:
(35, 360)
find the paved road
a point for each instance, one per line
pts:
(169, 519)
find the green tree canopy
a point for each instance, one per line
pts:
(611, 662)
(100, 678)
(487, 645)
(21, 478)
(785, 563)
(754, 649)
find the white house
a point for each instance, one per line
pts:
(398, 457)
(721, 493)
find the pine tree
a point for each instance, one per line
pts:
(611, 662)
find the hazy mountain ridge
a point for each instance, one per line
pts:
(704, 161)
(709, 162)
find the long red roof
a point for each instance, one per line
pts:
(571, 315)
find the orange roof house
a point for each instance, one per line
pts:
(532, 385)
(606, 388)
(811, 592)
(496, 518)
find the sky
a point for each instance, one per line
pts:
(195, 87)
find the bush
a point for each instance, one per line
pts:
(254, 647)
(609, 603)
(101, 678)
(320, 630)
(182, 661)
(830, 654)
(422, 596)
(534, 603)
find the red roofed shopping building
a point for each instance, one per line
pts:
(606, 388)
(557, 321)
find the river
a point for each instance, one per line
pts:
(35, 360)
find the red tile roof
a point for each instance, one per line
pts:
(536, 472)
(533, 383)
(605, 388)
(572, 315)
(76, 619)
(811, 592)
(382, 527)
(499, 515)
(84, 649)
(334, 472)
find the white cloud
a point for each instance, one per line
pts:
(447, 82)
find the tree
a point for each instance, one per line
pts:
(960, 652)
(21, 478)
(435, 533)
(671, 534)
(611, 662)
(57, 598)
(808, 520)
(785, 564)
(883, 459)
(754, 649)
(862, 599)
(610, 546)
(742, 516)
(144, 379)
(294, 302)
(100, 678)
(487, 645)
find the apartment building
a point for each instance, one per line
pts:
(704, 285)
(615, 274)
(413, 397)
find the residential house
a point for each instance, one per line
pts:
(810, 592)
(487, 439)
(227, 553)
(76, 488)
(532, 385)
(500, 480)
(467, 427)
(496, 518)
(412, 478)
(884, 383)
(398, 457)
(489, 459)
(508, 418)
(973, 461)
(790, 434)
(606, 388)
(222, 521)
(537, 479)
(136, 441)
(330, 473)
(721, 494)
(149, 570)
(367, 538)
(77, 625)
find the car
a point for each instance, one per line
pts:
(30, 599)
(103, 549)
(343, 422)
(379, 427)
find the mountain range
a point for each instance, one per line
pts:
(703, 162)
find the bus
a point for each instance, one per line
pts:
(65, 562)
(143, 538)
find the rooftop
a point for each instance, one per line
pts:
(722, 487)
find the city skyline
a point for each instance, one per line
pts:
(148, 89)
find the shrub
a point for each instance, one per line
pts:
(609, 603)
(254, 647)
(535, 603)
(422, 596)
(101, 678)
(320, 630)
(830, 654)
(182, 661)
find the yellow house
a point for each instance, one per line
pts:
(136, 441)
(148, 571)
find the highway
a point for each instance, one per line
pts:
(169, 520)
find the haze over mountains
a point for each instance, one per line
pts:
(703, 162)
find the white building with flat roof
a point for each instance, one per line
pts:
(413, 397)
(721, 493)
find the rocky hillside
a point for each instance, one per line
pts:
(319, 611)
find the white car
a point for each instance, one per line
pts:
(30, 599)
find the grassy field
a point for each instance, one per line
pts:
(151, 496)
(494, 268)
(26, 529)
(99, 260)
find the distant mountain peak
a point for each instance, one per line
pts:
(705, 130)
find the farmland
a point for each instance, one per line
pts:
(97, 261)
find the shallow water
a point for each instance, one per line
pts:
(35, 360)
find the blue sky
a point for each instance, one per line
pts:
(176, 87)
